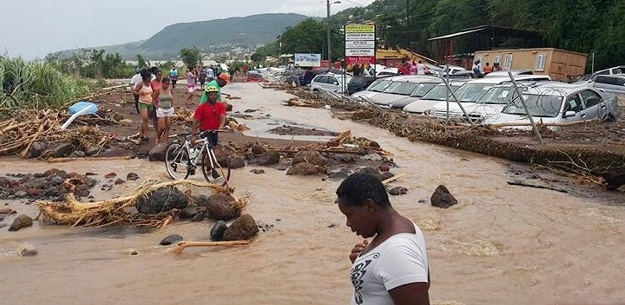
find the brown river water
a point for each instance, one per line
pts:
(501, 244)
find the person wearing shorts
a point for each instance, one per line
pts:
(173, 76)
(144, 91)
(210, 116)
(164, 111)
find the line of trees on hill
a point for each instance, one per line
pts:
(587, 26)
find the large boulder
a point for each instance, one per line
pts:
(218, 230)
(305, 169)
(158, 152)
(442, 198)
(37, 148)
(59, 150)
(237, 162)
(223, 207)
(309, 156)
(241, 229)
(162, 200)
(20, 222)
(268, 158)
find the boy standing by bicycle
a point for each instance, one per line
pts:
(209, 116)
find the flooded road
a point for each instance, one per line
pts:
(501, 244)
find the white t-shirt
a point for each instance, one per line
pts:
(421, 69)
(135, 80)
(397, 261)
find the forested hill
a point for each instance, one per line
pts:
(209, 36)
(587, 26)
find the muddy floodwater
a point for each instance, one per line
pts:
(501, 244)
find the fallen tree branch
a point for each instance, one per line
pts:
(519, 183)
(69, 159)
(187, 244)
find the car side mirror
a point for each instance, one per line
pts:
(568, 114)
(336, 83)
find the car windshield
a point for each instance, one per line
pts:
(379, 86)
(422, 89)
(439, 93)
(498, 95)
(538, 105)
(402, 88)
(470, 93)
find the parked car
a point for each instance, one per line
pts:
(375, 88)
(471, 92)
(418, 93)
(359, 83)
(560, 104)
(439, 93)
(387, 72)
(330, 82)
(609, 71)
(514, 73)
(614, 84)
(402, 87)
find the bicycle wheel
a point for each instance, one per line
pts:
(216, 172)
(177, 161)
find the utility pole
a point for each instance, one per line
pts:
(328, 33)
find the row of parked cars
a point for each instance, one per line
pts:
(492, 99)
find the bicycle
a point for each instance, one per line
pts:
(181, 160)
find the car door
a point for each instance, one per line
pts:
(573, 103)
(332, 84)
(593, 103)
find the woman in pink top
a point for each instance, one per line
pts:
(190, 84)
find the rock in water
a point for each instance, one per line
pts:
(243, 228)
(222, 207)
(218, 230)
(21, 221)
(162, 200)
(398, 190)
(305, 169)
(158, 152)
(309, 156)
(269, 158)
(237, 162)
(442, 198)
(26, 249)
(171, 239)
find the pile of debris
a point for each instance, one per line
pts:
(53, 184)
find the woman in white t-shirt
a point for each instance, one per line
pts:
(393, 268)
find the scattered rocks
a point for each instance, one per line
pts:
(339, 175)
(119, 181)
(223, 207)
(309, 156)
(158, 152)
(132, 177)
(117, 152)
(386, 175)
(162, 200)
(305, 169)
(218, 230)
(6, 211)
(110, 175)
(171, 239)
(442, 198)
(268, 158)
(241, 229)
(398, 190)
(20, 222)
(237, 162)
(257, 171)
(258, 149)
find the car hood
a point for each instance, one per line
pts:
(386, 98)
(420, 106)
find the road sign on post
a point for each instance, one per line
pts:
(360, 45)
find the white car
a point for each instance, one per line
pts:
(402, 87)
(439, 93)
(373, 89)
(560, 103)
(330, 82)
(471, 92)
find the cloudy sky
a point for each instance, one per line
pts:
(34, 28)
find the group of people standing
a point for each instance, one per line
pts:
(409, 67)
(478, 71)
(154, 99)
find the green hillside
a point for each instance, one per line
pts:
(209, 36)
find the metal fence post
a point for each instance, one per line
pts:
(522, 99)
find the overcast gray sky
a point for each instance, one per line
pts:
(34, 28)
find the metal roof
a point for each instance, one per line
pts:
(496, 30)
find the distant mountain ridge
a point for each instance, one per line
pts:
(209, 36)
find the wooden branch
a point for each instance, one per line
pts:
(186, 244)
(519, 183)
(389, 180)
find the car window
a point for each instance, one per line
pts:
(379, 87)
(573, 103)
(331, 80)
(439, 93)
(402, 88)
(470, 93)
(498, 95)
(538, 105)
(422, 89)
(590, 98)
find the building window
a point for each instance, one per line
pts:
(540, 62)
(507, 61)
